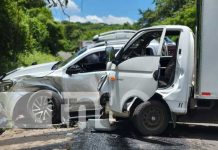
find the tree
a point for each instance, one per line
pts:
(56, 35)
(148, 17)
(27, 28)
(166, 8)
(61, 3)
(185, 16)
(55, 3)
(29, 4)
(14, 33)
(169, 12)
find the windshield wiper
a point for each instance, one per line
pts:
(55, 66)
(6, 74)
(3, 76)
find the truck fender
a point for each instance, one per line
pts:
(132, 103)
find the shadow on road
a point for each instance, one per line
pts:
(173, 137)
(126, 129)
(193, 132)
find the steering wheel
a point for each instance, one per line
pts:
(82, 66)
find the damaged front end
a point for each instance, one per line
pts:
(4, 119)
(106, 122)
(5, 88)
(14, 97)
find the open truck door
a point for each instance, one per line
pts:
(136, 71)
(134, 74)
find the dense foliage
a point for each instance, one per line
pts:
(29, 33)
(23, 28)
(179, 12)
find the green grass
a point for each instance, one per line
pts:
(26, 59)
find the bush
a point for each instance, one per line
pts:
(26, 59)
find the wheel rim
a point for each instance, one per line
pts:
(152, 117)
(42, 109)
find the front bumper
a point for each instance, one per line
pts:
(8, 101)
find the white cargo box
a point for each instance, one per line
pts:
(207, 50)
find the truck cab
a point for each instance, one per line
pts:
(137, 78)
(177, 84)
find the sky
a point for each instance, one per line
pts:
(103, 11)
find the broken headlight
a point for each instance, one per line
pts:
(6, 86)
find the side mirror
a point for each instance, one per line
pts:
(74, 70)
(110, 54)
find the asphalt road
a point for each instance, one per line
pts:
(182, 137)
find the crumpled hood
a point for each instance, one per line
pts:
(35, 70)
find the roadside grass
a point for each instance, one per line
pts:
(26, 59)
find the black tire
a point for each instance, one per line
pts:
(53, 101)
(151, 118)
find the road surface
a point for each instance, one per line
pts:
(182, 137)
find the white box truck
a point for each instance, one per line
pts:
(178, 83)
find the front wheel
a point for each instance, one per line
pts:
(44, 108)
(151, 118)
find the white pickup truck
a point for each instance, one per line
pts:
(179, 84)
